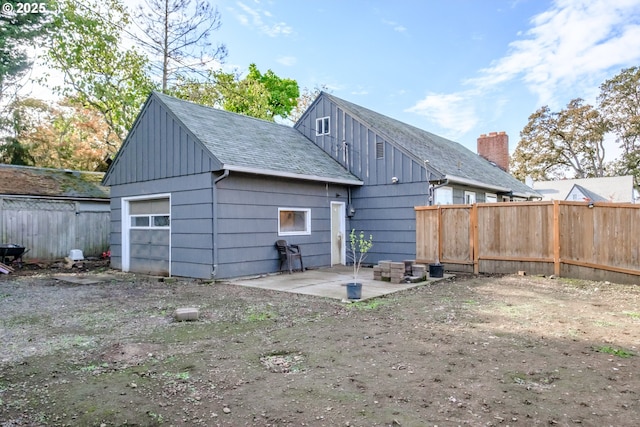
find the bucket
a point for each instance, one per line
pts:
(354, 290)
(76, 255)
(436, 270)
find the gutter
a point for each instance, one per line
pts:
(269, 172)
(214, 220)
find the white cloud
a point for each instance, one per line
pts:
(255, 17)
(287, 60)
(566, 53)
(396, 27)
(451, 111)
(571, 45)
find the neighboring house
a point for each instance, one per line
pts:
(202, 192)
(618, 189)
(51, 211)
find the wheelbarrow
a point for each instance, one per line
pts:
(11, 250)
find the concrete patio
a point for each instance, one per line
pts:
(328, 283)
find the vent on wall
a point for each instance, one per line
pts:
(380, 150)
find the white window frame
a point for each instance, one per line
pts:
(323, 124)
(492, 196)
(442, 193)
(305, 232)
(151, 222)
(469, 197)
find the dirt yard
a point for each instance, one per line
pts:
(478, 351)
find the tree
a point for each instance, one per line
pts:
(64, 135)
(554, 145)
(619, 101)
(18, 30)
(305, 100)
(182, 41)
(265, 96)
(85, 44)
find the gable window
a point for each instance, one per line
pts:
(443, 196)
(294, 221)
(322, 126)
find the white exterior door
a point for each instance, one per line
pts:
(338, 237)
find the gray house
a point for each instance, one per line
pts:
(401, 167)
(201, 192)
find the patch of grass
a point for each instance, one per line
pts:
(603, 323)
(632, 314)
(260, 316)
(471, 302)
(615, 351)
(94, 368)
(370, 304)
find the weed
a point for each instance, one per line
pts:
(471, 302)
(156, 417)
(3, 296)
(615, 351)
(94, 368)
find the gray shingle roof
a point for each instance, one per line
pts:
(448, 157)
(247, 143)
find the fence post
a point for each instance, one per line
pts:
(473, 241)
(439, 234)
(556, 237)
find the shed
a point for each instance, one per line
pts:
(51, 211)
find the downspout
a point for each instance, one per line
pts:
(214, 220)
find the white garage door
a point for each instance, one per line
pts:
(149, 236)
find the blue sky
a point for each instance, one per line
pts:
(457, 68)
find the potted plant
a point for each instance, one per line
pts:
(358, 248)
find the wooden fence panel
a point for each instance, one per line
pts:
(49, 229)
(455, 232)
(572, 238)
(427, 233)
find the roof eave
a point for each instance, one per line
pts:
(281, 174)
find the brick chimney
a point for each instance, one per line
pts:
(495, 148)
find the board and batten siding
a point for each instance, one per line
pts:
(353, 145)
(191, 221)
(159, 147)
(49, 229)
(248, 222)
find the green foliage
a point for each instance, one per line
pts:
(620, 103)
(615, 351)
(85, 44)
(554, 145)
(19, 30)
(359, 245)
(264, 96)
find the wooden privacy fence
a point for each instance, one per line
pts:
(49, 229)
(571, 239)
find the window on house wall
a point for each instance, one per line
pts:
(380, 150)
(150, 221)
(469, 197)
(322, 126)
(294, 221)
(443, 196)
(490, 198)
